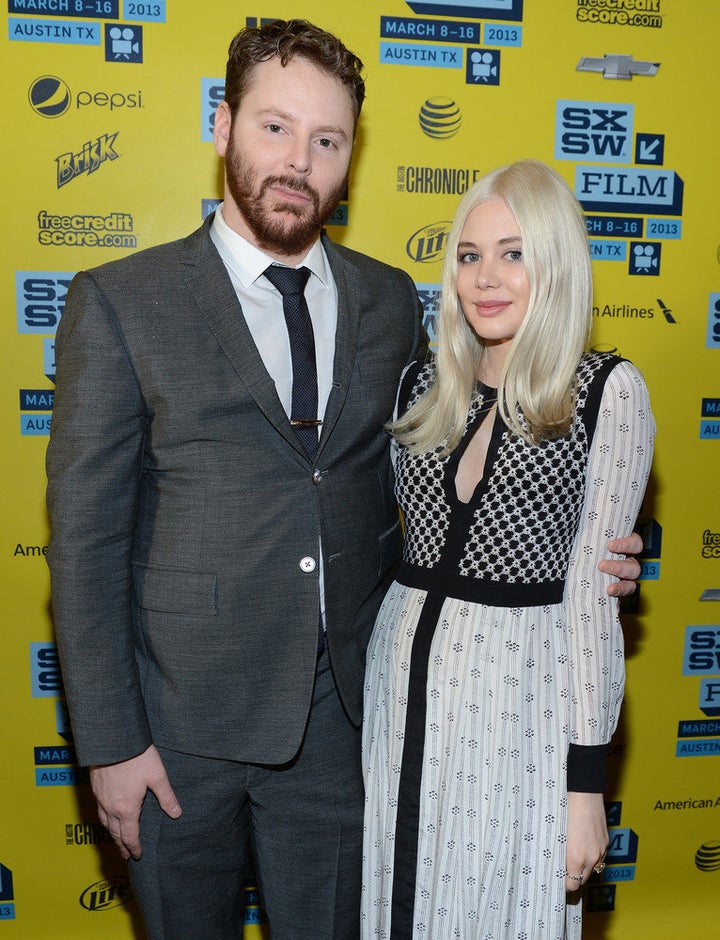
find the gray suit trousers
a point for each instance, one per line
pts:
(303, 820)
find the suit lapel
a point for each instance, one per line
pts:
(349, 288)
(211, 288)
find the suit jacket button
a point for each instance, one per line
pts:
(317, 476)
(307, 564)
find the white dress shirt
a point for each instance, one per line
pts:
(263, 309)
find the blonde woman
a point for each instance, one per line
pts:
(496, 670)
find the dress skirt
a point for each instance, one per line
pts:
(465, 746)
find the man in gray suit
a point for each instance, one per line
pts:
(214, 580)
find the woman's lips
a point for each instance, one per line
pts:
(489, 308)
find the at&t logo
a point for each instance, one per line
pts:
(707, 857)
(440, 118)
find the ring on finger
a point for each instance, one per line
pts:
(599, 868)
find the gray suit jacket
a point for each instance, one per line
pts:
(182, 506)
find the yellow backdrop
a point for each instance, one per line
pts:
(108, 110)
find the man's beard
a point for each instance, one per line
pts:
(272, 232)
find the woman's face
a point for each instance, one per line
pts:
(492, 282)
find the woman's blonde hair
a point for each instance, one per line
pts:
(536, 389)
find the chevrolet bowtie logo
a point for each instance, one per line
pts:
(617, 66)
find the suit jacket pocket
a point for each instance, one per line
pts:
(175, 590)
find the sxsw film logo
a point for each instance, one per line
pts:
(429, 295)
(212, 92)
(701, 658)
(45, 677)
(40, 299)
(702, 651)
(592, 130)
(712, 340)
(123, 43)
(621, 862)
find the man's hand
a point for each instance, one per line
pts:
(120, 790)
(627, 569)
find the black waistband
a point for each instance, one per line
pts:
(480, 590)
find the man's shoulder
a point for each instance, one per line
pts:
(365, 265)
(154, 260)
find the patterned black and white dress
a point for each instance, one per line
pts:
(496, 670)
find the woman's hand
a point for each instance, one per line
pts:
(587, 837)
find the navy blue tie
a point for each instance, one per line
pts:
(303, 416)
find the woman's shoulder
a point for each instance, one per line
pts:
(604, 379)
(415, 381)
(595, 368)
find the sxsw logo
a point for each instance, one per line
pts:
(712, 340)
(45, 671)
(590, 130)
(429, 295)
(40, 299)
(623, 847)
(212, 92)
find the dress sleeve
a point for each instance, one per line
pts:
(617, 473)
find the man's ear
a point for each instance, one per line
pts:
(222, 128)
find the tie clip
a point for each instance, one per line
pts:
(306, 422)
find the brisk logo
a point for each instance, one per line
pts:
(87, 160)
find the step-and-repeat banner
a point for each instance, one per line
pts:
(108, 126)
